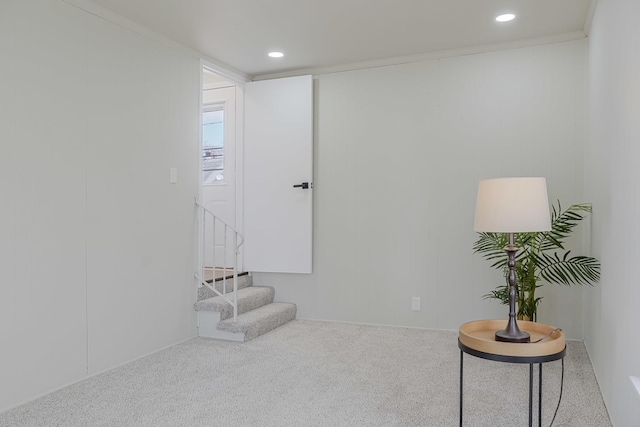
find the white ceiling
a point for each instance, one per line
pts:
(316, 34)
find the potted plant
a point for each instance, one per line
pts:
(541, 256)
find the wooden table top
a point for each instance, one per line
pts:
(479, 335)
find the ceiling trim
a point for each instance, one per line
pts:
(222, 72)
(472, 50)
(100, 12)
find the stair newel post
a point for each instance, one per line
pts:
(213, 251)
(201, 260)
(235, 276)
(224, 258)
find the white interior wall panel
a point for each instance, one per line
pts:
(96, 253)
(611, 183)
(43, 207)
(8, 210)
(399, 153)
(129, 195)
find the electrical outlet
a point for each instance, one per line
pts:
(415, 303)
(173, 176)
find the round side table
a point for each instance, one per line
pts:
(477, 338)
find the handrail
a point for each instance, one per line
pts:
(228, 226)
(236, 240)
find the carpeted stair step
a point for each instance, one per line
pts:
(260, 321)
(248, 299)
(244, 281)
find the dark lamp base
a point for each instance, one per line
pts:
(512, 336)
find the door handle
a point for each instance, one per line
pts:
(304, 185)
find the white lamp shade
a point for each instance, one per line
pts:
(512, 205)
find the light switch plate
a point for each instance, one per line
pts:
(636, 383)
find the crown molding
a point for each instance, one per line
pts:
(472, 50)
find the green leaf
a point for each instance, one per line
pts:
(577, 270)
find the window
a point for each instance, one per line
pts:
(213, 144)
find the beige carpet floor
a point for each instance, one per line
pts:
(310, 373)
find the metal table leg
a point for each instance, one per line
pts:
(540, 395)
(461, 376)
(530, 394)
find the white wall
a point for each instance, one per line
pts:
(96, 247)
(399, 151)
(611, 182)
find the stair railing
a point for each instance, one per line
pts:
(212, 227)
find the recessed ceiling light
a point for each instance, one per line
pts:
(506, 17)
(276, 54)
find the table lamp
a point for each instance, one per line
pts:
(512, 205)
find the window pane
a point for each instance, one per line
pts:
(213, 146)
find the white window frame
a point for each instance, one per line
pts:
(215, 106)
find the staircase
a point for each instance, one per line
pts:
(257, 313)
(230, 307)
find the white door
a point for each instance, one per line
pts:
(218, 166)
(278, 156)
